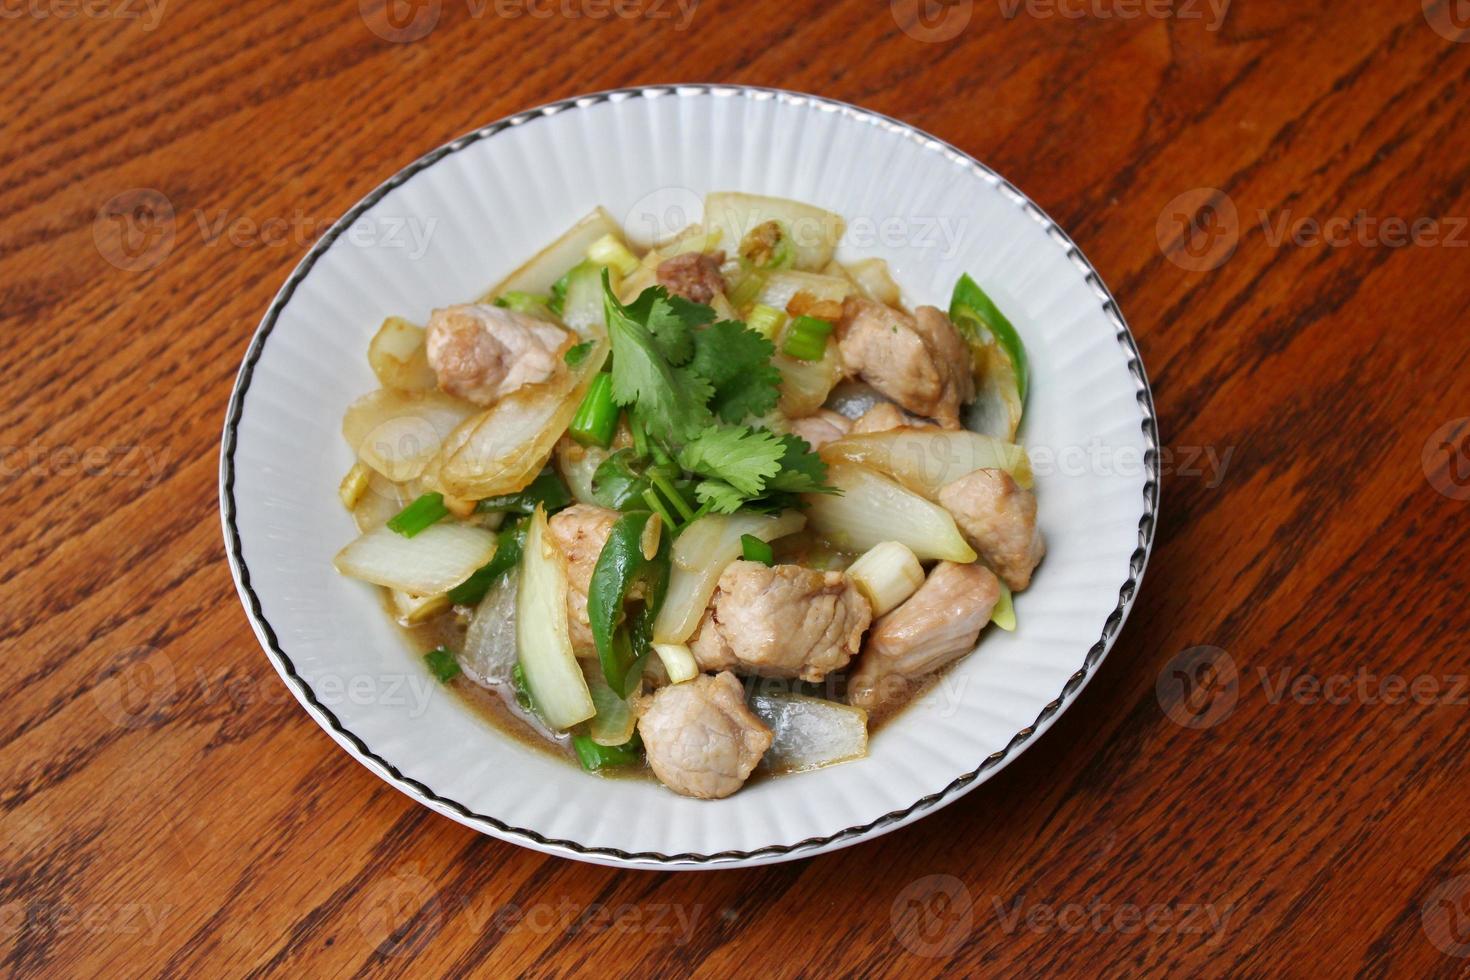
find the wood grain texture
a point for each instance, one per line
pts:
(166, 809)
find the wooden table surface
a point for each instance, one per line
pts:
(1268, 775)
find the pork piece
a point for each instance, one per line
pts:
(580, 531)
(781, 621)
(701, 739)
(935, 626)
(919, 361)
(880, 418)
(821, 428)
(693, 275)
(483, 353)
(998, 518)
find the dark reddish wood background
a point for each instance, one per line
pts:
(167, 809)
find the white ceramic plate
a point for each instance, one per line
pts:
(453, 223)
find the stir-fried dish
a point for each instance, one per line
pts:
(716, 508)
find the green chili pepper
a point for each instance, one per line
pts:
(621, 566)
(594, 757)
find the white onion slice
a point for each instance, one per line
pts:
(872, 509)
(809, 733)
(489, 653)
(543, 635)
(435, 560)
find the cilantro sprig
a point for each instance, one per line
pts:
(689, 383)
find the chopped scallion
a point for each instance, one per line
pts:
(806, 338)
(597, 417)
(420, 514)
(766, 321)
(576, 355)
(753, 548)
(442, 664)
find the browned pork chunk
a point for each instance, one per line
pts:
(936, 625)
(483, 353)
(701, 739)
(919, 361)
(998, 518)
(580, 531)
(781, 621)
(693, 275)
(821, 428)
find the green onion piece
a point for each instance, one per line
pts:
(576, 355)
(559, 292)
(518, 682)
(597, 417)
(532, 304)
(594, 757)
(753, 548)
(418, 515)
(545, 489)
(507, 556)
(747, 289)
(765, 320)
(442, 665)
(806, 338)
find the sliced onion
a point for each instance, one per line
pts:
(543, 635)
(809, 733)
(577, 463)
(813, 231)
(781, 286)
(397, 433)
(872, 509)
(489, 653)
(613, 724)
(873, 280)
(997, 407)
(805, 385)
(379, 502)
(701, 554)
(926, 458)
(435, 560)
(502, 449)
(552, 262)
(399, 358)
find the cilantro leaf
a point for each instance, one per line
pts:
(667, 402)
(719, 496)
(802, 470)
(737, 362)
(671, 321)
(743, 458)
